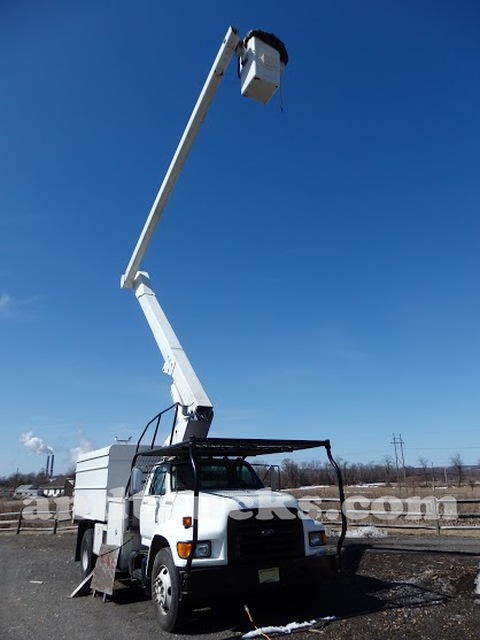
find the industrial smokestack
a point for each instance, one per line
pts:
(51, 464)
(47, 468)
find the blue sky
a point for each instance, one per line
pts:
(320, 265)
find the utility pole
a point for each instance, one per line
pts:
(399, 458)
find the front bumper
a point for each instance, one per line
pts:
(214, 582)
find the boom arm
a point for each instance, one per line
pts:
(262, 58)
(195, 411)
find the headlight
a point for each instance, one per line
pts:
(202, 550)
(317, 538)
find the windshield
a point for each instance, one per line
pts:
(221, 474)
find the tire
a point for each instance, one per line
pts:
(166, 591)
(87, 557)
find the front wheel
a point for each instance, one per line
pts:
(166, 590)
(87, 557)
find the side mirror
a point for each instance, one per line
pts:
(274, 477)
(136, 481)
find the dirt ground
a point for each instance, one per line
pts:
(405, 594)
(417, 589)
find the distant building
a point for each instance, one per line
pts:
(26, 491)
(58, 486)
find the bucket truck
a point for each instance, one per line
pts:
(190, 519)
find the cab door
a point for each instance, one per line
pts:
(155, 506)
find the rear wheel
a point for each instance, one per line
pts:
(166, 590)
(87, 557)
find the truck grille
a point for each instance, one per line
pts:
(264, 535)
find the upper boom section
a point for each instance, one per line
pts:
(262, 59)
(199, 112)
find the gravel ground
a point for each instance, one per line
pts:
(391, 588)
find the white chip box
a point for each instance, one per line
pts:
(100, 475)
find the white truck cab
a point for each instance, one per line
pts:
(195, 522)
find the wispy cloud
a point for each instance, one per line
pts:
(346, 351)
(5, 304)
(14, 307)
(83, 446)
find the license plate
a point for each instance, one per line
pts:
(269, 575)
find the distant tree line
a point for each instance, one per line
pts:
(294, 474)
(302, 474)
(16, 479)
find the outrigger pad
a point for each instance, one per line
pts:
(105, 568)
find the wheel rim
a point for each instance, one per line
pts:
(163, 589)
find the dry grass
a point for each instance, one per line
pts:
(372, 492)
(418, 515)
(37, 513)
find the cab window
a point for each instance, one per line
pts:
(158, 485)
(222, 474)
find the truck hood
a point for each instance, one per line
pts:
(253, 499)
(214, 504)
